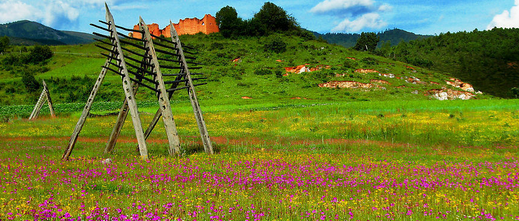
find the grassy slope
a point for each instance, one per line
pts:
(228, 82)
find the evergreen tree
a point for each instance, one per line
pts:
(4, 43)
(275, 19)
(367, 42)
(228, 21)
(270, 19)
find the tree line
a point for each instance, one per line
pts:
(489, 60)
(269, 20)
(26, 63)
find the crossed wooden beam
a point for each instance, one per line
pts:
(44, 96)
(138, 65)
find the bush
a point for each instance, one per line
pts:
(263, 71)
(279, 74)
(350, 64)
(11, 59)
(515, 92)
(39, 54)
(275, 44)
(30, 82)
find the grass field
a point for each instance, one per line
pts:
(285, 160)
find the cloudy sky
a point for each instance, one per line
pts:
(338, 16)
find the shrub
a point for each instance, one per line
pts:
(30, 82)
(279, 74)
(39, 54)
(263, 71)
(275, 44)
(350, 64)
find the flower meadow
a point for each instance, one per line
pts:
(276, 169)
(265, 185)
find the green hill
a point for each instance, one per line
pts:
(258, 73)
(30, 33)
(487, 59)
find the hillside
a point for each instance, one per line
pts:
(487, 59)
(244, 70)
(30, 33)
(394, 36)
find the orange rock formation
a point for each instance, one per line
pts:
(188, 26)
(365, 71)
(379, 81)
(303, 68)
(298, 69)
(347, 84)
(459, 84)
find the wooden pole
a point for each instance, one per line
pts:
(158, 114)
(38, 106)
(123, 114)
(86, 111)
(49, 100)
(116, 131)
(128, 90)
(192, 94)
(165, 106)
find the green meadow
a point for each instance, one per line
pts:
(407, 160)
(291, 151)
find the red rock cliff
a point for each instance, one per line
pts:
(188, 26)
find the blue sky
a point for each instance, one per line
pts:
(338, 16)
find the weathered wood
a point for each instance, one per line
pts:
(49, 100)
(165, 106)
(121, 118)
(44, 96)
(38, 106)
(128, 91)
(208, 147)
(149, 67)
(86, 111)
(119, 123)
(116, 131)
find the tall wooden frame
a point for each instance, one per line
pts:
(142, 70)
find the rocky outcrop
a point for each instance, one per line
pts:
(414, 80)
(348, 84)
(298, 69)
(303, 68)
(365, 71)
(188, 26)
(379, 81)
(387, 75)
(449, 94)
(459, 84)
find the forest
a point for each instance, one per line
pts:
(486, 59)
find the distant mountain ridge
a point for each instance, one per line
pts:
(395, 36)
(29, 33)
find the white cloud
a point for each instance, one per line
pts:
(15, 10)
(385, 7)
(355, 15)
(507, 19)
(338, 5)
(370, 20)
(58, 11)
